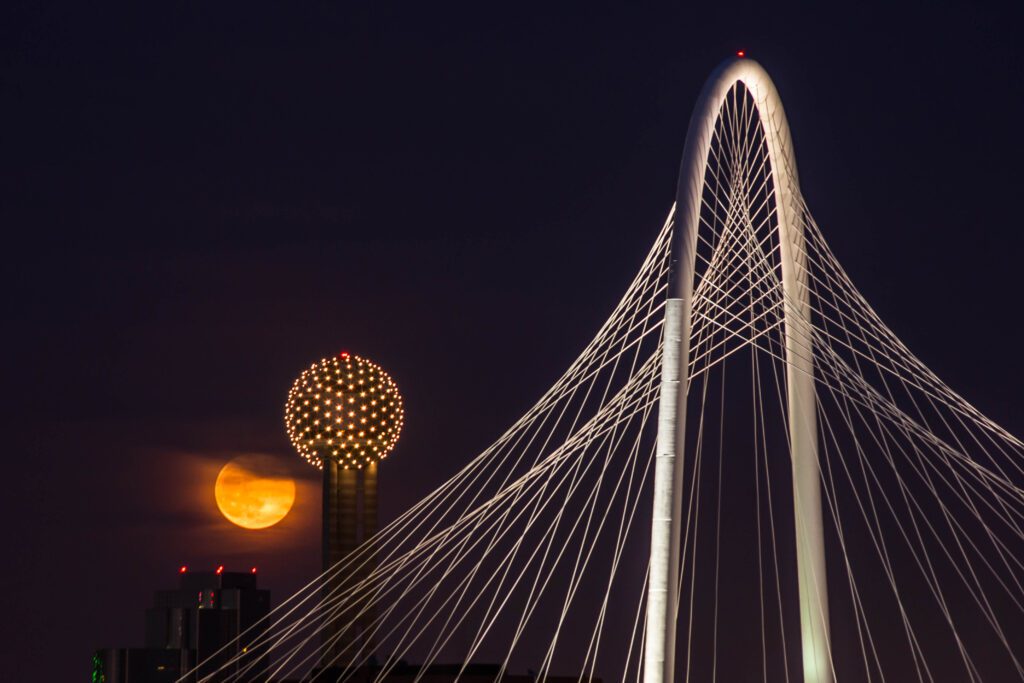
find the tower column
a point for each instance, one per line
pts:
(339, 539)
(663, 583)
(329, 523)
(369, 501)
(369, 519)
(342, 651)
(331, 552)
(347, 511)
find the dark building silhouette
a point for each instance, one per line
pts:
(211, 617)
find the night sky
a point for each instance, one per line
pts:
(199, 200)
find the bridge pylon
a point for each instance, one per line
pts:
(721, 91)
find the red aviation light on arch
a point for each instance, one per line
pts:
(741, 53)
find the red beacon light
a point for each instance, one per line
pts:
(741, 53)
(183, 569)
(344, 355)
(220, 569)
(253, 570)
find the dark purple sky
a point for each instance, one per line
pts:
(199, 201)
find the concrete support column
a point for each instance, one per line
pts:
(663, 584)
(339, 539)
(369, 527)
(331, 550)
(329, 524)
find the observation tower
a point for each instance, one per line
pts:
(344, 415)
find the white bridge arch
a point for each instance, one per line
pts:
(663, 589)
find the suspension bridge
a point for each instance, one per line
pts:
(745, 475)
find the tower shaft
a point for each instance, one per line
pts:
(369, 528)
(349, 518)
(663, 585)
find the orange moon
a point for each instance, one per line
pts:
(250, 499)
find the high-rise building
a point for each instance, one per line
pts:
(211, 617)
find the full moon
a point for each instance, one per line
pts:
(251, 498)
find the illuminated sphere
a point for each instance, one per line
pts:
(345, 408)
